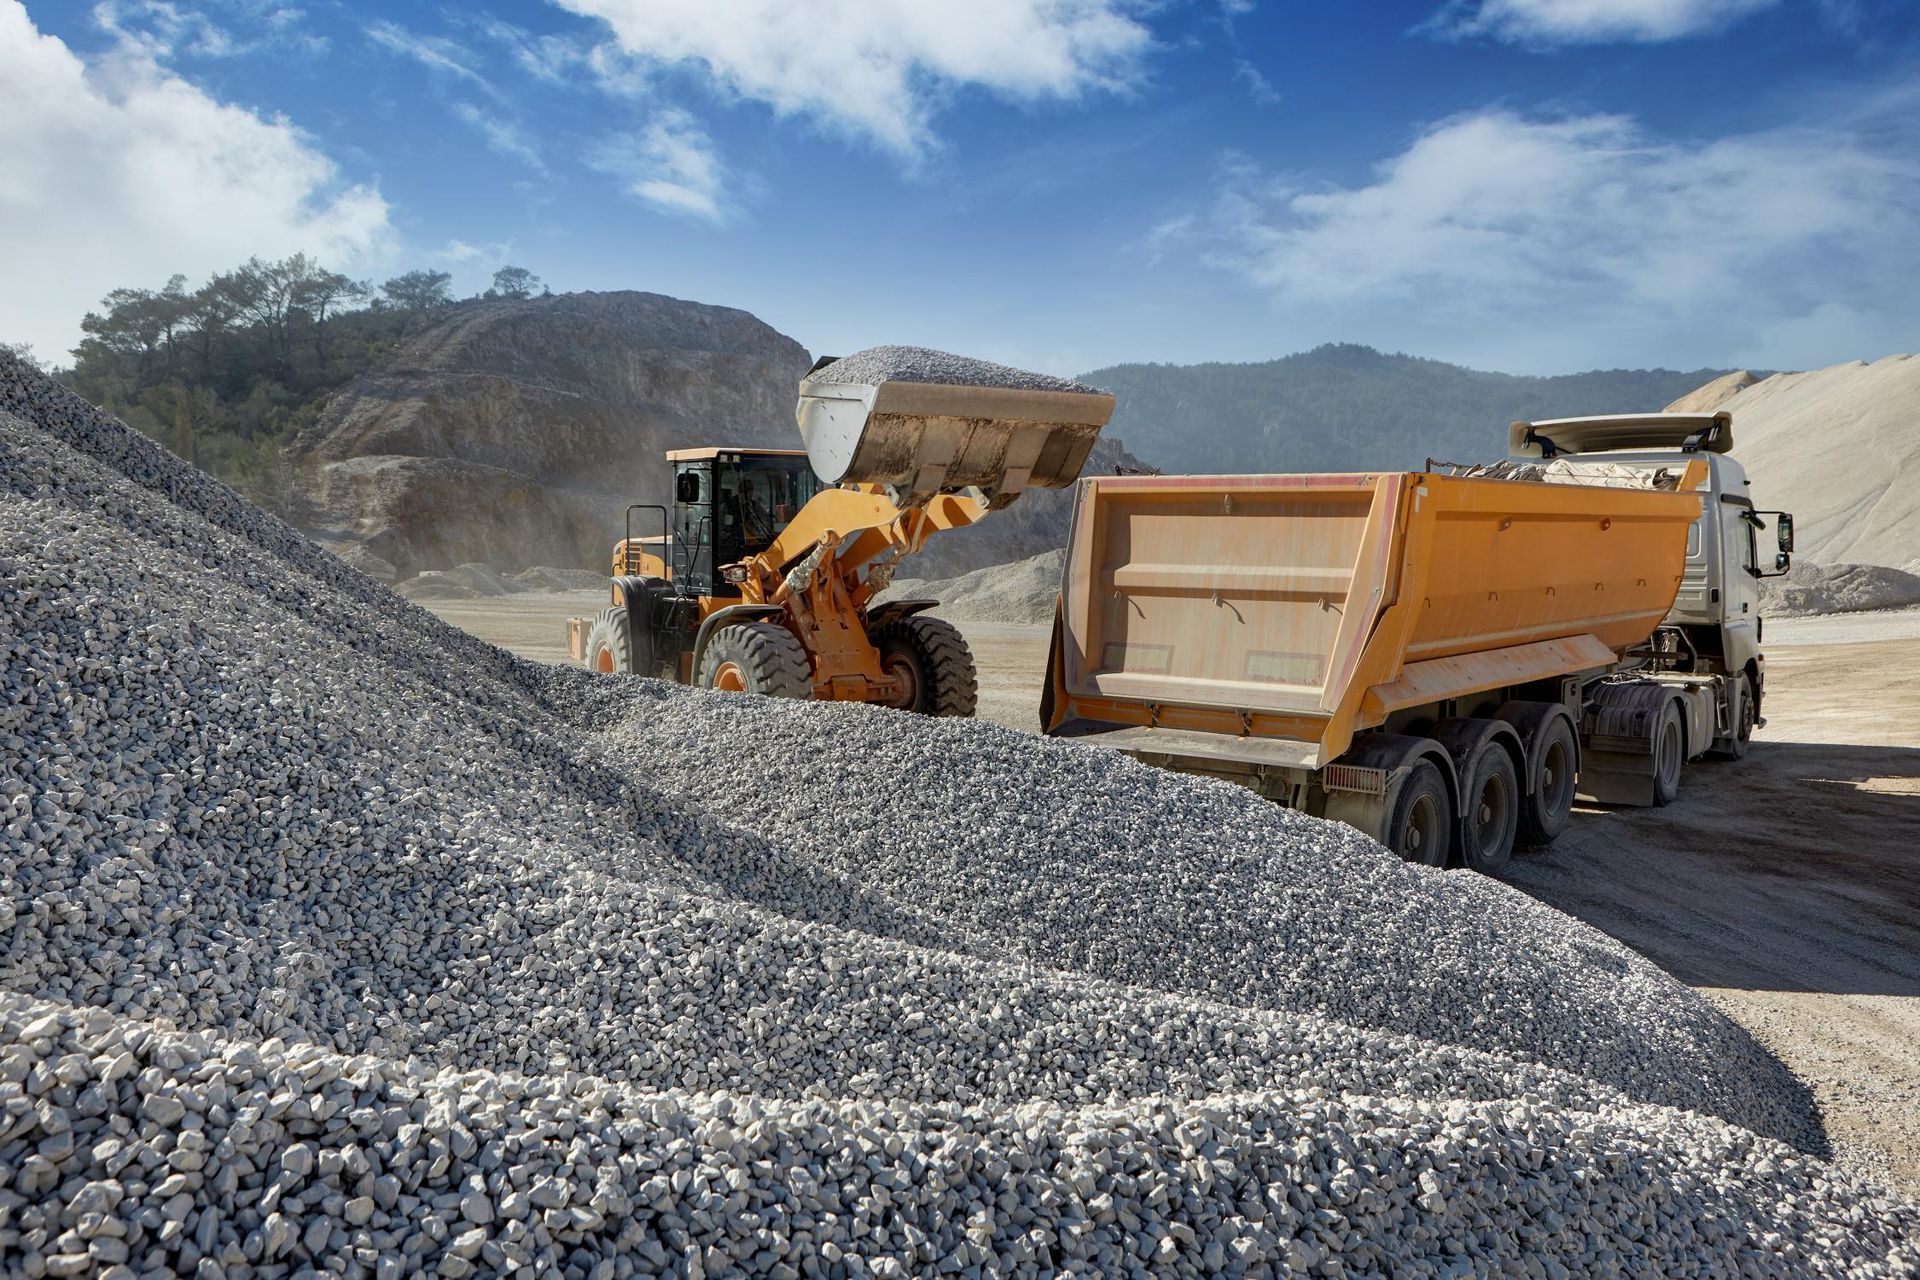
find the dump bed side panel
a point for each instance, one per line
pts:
(1255, 593)
(1511, 563)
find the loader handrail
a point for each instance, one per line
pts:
(626, 546)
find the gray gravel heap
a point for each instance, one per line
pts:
(923, 364)
(313, 913)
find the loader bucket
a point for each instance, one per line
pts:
(924, 438)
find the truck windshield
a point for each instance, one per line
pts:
(758, 496)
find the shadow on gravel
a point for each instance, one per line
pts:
(1796, 869)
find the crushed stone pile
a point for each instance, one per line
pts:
(923, 364)
(1809, 588)
(1022, 592)
(337, 940)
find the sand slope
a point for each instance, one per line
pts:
(1840, 448)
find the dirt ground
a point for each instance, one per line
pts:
(1785, 887)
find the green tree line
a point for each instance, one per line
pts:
(227, 373)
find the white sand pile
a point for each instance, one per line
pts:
(1840, 448)
(1021, 592)
(315, 911)
(1810, 588)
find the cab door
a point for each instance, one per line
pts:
(693, 528)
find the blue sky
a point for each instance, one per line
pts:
(1526, 185)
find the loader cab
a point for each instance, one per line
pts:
(729, 504)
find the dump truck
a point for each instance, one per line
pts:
(1444, 659)
(764, 575)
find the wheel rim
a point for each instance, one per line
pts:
(603, 661)
(1492, 809)
(729, 678)
(1556, 779)
(1423, 827)
(907, 677)
(1747, 714)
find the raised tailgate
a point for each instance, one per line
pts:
(1254, 593)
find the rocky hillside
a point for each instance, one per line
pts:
(1342, 406)
(1838, 447)
(515, 433)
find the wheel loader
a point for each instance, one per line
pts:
(764, 572)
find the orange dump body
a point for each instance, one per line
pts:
(1270, 618)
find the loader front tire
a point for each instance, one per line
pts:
(610, 643)
(756, 657)
(930, 659)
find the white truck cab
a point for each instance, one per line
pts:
(1710, 641)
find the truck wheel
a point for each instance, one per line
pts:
(610, 643)
(756, 657)
(1545, 807)
(1420, 828)
(1669, 754)
(930, 658)
(1735, 747)
(1490, 804)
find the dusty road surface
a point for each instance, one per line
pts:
(1786, 886)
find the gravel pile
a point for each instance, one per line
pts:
(923, 364)
(1023, 592)
(331, 938)
(1808, 588)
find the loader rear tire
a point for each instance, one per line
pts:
(610, 643)
(756, 657)
(930, 657)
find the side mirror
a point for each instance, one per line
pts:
(686, 487)
(1783, 527)
(1783, 562)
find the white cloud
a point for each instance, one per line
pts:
(671, 165)
(1500, 224)
(1555, 22)
(878, 68)
(122, 173)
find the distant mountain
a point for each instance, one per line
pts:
(1342, 406)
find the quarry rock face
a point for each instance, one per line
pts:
(515, 432)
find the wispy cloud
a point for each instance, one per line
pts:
(1566, 22)
(504, 137)
(1258, 87)
(566, 58)
(167, 30)
(671, 165)
(880, 68)
(436, 53)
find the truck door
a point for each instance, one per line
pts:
(1740, 588)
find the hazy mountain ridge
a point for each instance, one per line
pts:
(1342, 406)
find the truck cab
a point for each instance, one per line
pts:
(1715, 625)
